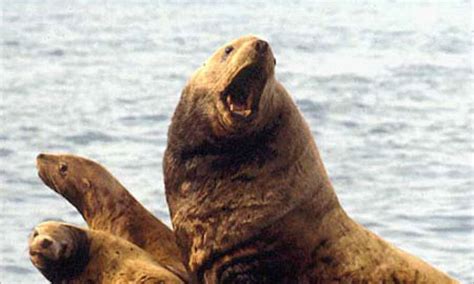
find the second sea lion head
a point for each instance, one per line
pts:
(58, 250)
(45, 247)
(70, 175)
(230, 89)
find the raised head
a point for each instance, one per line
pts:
(225, 96)
(72, 176)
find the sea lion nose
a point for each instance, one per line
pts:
(45, 243)
(40, 160)
(261, 46)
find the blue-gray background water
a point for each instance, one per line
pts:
(386, 87)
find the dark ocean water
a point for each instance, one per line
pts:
(386, 87)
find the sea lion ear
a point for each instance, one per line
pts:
(86, 183)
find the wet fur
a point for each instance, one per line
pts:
(254, 204)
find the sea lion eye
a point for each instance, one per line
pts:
(62, 168)
(228, 49)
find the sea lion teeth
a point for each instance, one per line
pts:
(243, 111)
(259, 206)
(239, 102)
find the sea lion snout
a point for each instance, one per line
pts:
(44, 158)
(258, 52)
(43, 249)
(40, 156)
(261, 46)
(46, 243)
(53, 170)
(40, 243)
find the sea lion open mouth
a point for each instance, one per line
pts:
(242, 95)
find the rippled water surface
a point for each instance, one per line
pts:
(385, 86)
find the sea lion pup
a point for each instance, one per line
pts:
(64, 253)
(106, 205)
(248, 194)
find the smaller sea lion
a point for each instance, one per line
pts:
(65, 253)
(106, 205)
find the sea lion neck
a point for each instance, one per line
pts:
(232, 192)
(77, 262)
(98, 204)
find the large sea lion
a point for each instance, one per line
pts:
(106, 205)
(249, 197)
(68, 254)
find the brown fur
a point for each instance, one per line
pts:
(106, 205)
(249, 197)
(68, 254)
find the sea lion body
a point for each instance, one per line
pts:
(249, 196)
(106, 205)
(68, 254)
